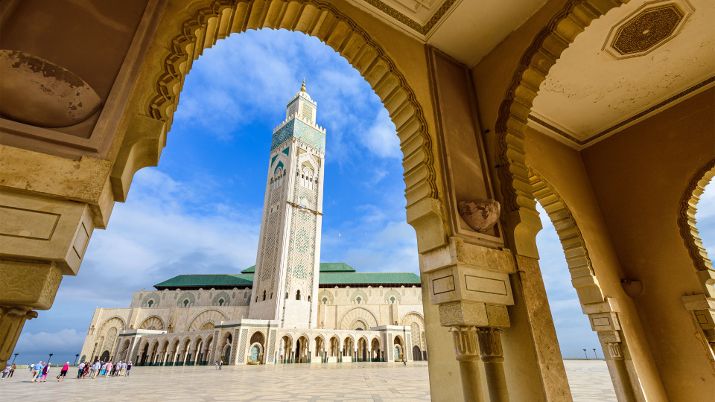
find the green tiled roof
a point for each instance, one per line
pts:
(215, 281)
(368, 278)
(324, 267)
(331, 274)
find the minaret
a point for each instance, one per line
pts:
(285, 284)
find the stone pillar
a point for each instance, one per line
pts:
(466, 350)
(702, 309)
(493, 358)
(41, 239)
(604, 320)
(471, 286)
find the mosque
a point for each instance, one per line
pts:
(289, 307)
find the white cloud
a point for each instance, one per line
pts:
(65, 341)
(165, 228)
(381, 138)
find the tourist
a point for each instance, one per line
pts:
(37, 371)
(220, 363)
(80, 370)
(5, 372)
(63, 371)
(12, 369)
(129, 367)
(108, 369)
(85, 372)
(45, 371)
(95, 368)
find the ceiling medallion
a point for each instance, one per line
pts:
(649, 27)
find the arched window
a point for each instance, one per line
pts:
(286, 295)
(358, 300)
(297, 295)
(186, 302)
(150, 303)
(392, 299)
(264, 295)
(220, 302)
(308, 297)
(325, 300)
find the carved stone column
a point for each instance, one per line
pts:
(493, 358)
(465, 347)
(12, 319)
(702, 309)
(470, 284)
(604, 321)
(41, 239)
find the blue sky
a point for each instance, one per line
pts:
(199, 210)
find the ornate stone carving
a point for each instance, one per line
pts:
(514, 110)
(646, 29)
(12, 319)
(335, 29)
(480, 215)
(465, 343)
(686, 221)
(490, 344)
(614, 350)
(38, 92)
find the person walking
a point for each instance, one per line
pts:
(95, 368)
(45, 371)
(12, 369)
(37, 371)
(129, 367)
(63, 371)
(80, 370)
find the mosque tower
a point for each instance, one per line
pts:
(285, 283)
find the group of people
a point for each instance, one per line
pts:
(39, 371)
(103, 369)
(9, 370)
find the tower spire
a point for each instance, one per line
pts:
(302, 86)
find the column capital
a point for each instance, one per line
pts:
(465, 342)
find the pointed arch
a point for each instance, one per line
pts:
(206, 320)
(686, 221)
(583, 275)
(355, 315)
(153, 322)
(211, 20)
(534, 66)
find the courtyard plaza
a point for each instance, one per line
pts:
(589, 381)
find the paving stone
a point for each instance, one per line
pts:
(589, 381)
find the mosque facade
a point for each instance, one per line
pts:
(289, 307)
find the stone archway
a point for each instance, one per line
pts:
(210, 20)
(702, 312)
(518, 204)
(583, 277)
(358, 318)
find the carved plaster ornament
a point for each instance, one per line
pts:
(480, 215)
(38, 92)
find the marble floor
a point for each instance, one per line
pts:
(342, 382)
